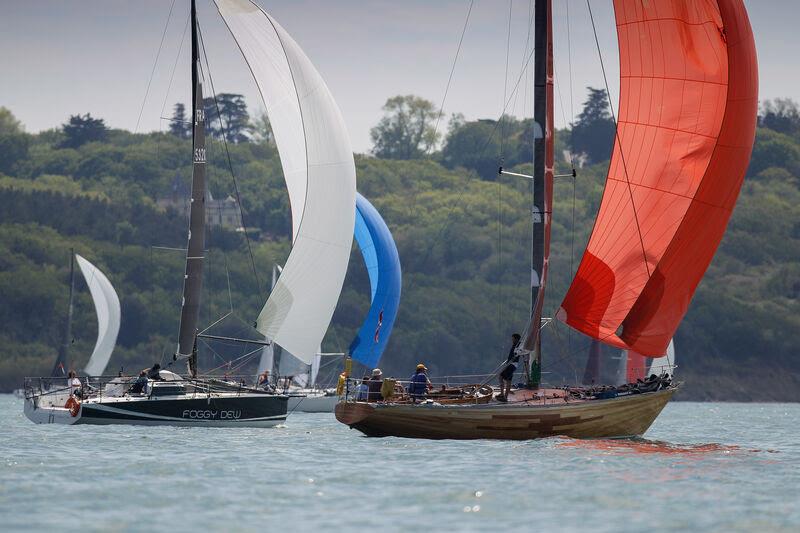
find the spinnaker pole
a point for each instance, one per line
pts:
(193, 278)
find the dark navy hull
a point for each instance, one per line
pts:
(244, 410)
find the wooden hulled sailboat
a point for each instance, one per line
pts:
(686, 125)
(320, 175)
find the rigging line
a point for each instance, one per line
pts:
(230, 165)
(500, 185)
(450, 77)
(481, 152)
(228, 275)
(505, 84)
(619, 140)
(569, 62)
(174, 68)
(571, 161)
(153, 71)
(444, 97)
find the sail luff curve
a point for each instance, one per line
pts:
(385, 277)
(106, 305)
(319, 170)
(686, 126)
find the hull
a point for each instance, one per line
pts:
(626, 416)
(215, 411)
(312, 403)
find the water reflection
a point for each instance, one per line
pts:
(647, 446)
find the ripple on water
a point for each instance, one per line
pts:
(702, 466)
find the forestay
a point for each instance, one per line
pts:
(687, 114)
(106, 305)
(385, 279)
(319, 170)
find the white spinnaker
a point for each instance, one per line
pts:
(106, 305)
(318, 165)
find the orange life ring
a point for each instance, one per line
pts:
(73, 405)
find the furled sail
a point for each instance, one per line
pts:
(319, 170)
(106, 305)
(687, 114)
(385, 279)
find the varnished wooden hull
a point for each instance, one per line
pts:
(625, 416)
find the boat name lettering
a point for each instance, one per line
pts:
(210, 414)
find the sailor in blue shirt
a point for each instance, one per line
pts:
(419, 383)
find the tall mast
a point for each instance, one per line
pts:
(62, 362)
(193, 278)
(542, 178)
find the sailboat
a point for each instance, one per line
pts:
(320, 174)
(382, 262)
(685, 131)
(107, 309)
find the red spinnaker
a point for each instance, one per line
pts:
(686, 125)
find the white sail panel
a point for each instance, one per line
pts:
(315, 364)
(665, 362)
(267, 358)
(314, 145)
(106, 305)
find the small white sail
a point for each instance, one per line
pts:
(315, 363)
(664, 363)
(106, 305)
(319, 170)
(267, 358)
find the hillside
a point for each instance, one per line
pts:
(463, 240)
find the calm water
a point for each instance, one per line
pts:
(716, 467)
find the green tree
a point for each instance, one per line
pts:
(773, 149)
(80, 130)
(9, 123)
(407, 129)
(261, 128)
(475, 146)
(781, 115)
(231, 108)
(593, 133)
(180, 126)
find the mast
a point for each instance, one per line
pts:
(542, 179)
(62, 362)
(193, 278)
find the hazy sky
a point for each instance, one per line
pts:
(65, 57)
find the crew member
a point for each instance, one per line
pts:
(375, 384)
(419, 384)
(510, 366)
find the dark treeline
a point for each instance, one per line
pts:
(462, 233)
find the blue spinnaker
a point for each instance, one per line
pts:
(383, 265)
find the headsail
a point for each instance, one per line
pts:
(106, 305)
(385, 280)
(687, 114)
(319, 170)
